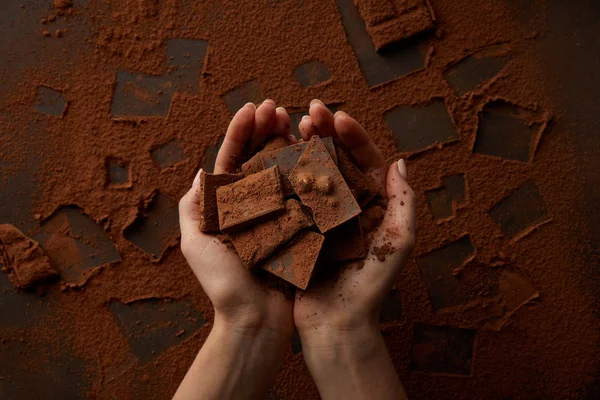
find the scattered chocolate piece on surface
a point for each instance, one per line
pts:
(260, 241)
(207, 190)
(249, 201)
(362, 187)
(345, 242)
(322, 188)
(296, 262)
(26, 260)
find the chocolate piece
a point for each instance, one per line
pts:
(24, 257)
(275, 143)
(260, 241)
(249, 201)
(253, 165)
(207, 192)
(321, 187)
(371, 218)
(296, 262)
(287, 158)
(363, 188)
(345, 242)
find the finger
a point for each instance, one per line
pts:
(394, 240)
(239, 134)
(322, 118)
(282, 123)
(363, 151)
(357, 141)
(264, 122)
(307, 128)
(189, 217)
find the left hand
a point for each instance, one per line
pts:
(240, 300)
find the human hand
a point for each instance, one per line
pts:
(338, 318)
(238, 297)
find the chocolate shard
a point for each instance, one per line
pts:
(363, 188)
(25, 259)
(207, 192)
(249, 201)
(253, 165)
(255, 244)
(345, 242)
(296, 261)
(322, 188)
(287, 158)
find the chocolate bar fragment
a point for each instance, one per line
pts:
(25, 259)
(287, 158)
(345, 242)
(260, 241)
(249, 201)
(296, 261)
(363, 188)
(387, 24)
(207, 192)
(321, 187)
(255, 164)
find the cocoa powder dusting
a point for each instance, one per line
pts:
(106, 104)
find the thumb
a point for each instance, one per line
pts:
(394, 240)
(189, 212)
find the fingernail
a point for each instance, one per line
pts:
(281, 109)
(402, 169)
(292, 138)
(339, 114)
(316, 101)
(197, 178)
(269, 101)
(250, 104)
(305, 117)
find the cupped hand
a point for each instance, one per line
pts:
(351, 300)
(241, 301)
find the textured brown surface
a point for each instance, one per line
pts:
(58, 129)
(260, 241)
(322, 188)
(296, 261)
(25, 260)
(209, 213)
(362, 187)
(345, 242)
(254, 199)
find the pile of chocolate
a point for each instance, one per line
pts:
(292, 208)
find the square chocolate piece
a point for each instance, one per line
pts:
(345, 242)
(287, 158)
(296, 262)
(322, 188)
(28, 262)
(207, 191)
(249, 201)
(260, 241)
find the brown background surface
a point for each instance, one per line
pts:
(104, 124)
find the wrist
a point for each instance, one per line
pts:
(251, 326)
(340, 341)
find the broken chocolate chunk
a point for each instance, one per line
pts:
(296, 262)
(363, 188)
(321, 187)
(345, 242)
(249, 201)
(25, 259)
(260, 241)
(253, 165)
(287, 158)
(207, 192)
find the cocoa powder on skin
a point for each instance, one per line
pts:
(547, 349)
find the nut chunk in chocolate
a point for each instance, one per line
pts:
(260, 241)
(321, 187)
(207, 192)
(296, 261)
(27, 262)
(249, 201)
